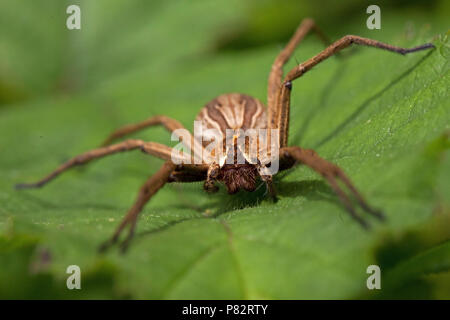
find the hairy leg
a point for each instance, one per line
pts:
(211, 177)
(283, 100)
(270, 188)
(332, 174)
(150, 187)
(155, 149)
(276, 73)
(170, 124)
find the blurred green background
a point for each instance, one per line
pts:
(384, 118)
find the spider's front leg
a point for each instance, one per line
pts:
(267, 179)
(147, 190)
(152, 148)
(333, 174)
(280, 119)
(211, 177)
(279, 95)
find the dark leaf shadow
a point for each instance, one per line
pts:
(399, 253)
(312, 190)
(222, 203)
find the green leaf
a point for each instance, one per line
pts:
(382, 117)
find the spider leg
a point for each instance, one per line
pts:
(156, 149)
(343, 177)
(170, 124)
(211, 177)
(332, 174)
(270, 188)
(148, 189)
(346, 201)
(284, 92)
(283, 57)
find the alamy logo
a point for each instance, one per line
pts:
(374, 20)
(74, 280)
(254, 146)
(374, 280)
(74, 20)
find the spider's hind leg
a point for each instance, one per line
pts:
(150, 187)
(333, 174)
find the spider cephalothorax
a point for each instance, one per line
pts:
(229, 114)
(237, 112)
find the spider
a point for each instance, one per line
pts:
(237, 111)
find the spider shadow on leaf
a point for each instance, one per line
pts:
(222, 203)
(312, 190)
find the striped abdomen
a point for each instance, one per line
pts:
(233, 111)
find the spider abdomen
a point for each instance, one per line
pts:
(233, 111)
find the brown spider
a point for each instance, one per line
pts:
(237, 111)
